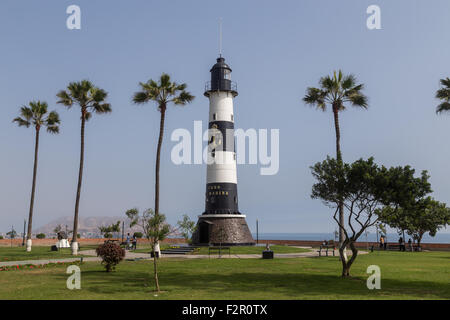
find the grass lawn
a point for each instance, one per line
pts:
(37, 252)
(418, 275)
(236, 250)
(254, 250)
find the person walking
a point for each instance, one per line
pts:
(128, 241)
(401, 244)
(134, 242)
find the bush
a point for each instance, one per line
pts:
(111, 254)
(40, 236)
(138, 235)
(1, 237)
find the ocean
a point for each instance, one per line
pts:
(391, 237)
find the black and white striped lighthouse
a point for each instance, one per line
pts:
(221, 223)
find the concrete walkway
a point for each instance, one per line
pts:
(130, 255)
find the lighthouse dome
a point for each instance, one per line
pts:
(220, 64)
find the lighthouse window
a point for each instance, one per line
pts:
(214, 116)
(227, 74)
(232, 118)
(235, 199)
(234, 156)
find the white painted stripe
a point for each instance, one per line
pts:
(223, 169)
(220, 105)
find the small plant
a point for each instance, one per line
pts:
(138, 235)
(1, 237)
(111, 254)
(40, 236)
(187, 227)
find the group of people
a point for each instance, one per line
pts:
(131, 242)
(401, 242)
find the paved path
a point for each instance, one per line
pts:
(145, 256)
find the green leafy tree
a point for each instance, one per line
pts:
(422, 216)
(363, 187)
(138, 235)
(163, 92)
(90, 99)
(40, 236)
(154, 228)
(443, 94)
(337, 91)
(187, 227)
(108, 231)
(36, 115)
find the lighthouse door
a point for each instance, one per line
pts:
(204, 232)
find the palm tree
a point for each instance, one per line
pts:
(36, 115)
(443, 94)
(337, 91)
(90, 99)
(162, 93)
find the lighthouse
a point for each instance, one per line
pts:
(221, 223)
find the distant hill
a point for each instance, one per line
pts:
(87, 226)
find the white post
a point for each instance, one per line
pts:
(29, 245)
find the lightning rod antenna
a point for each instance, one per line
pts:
(220, 37)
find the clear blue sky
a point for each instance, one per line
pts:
(275, 48)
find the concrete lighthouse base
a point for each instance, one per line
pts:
(222, 229)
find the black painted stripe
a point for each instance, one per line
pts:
(226, 141)
(221, 198)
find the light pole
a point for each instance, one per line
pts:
(24, 226)
(257, 232)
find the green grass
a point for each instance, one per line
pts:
(237, 250)
(404, 275)
(255, 250)
(37, 252)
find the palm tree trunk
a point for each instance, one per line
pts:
(155, 270)
(80, 178)
(339, 159)
(158, 160)
(33, 188)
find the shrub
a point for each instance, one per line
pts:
(111, 254)
(1, 237)
(138, 235)
(40, 236)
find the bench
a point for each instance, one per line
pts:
(326, 248)
(219, 249)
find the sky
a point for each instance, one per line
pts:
(276, 50)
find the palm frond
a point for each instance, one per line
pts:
(101, 108)
(22, 122)
(315, 96)
(141, 97)
(64, 98)
(443, 94)
(183, 98)
(443, 107)
(164, 81)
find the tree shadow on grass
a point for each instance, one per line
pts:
(244, 284)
